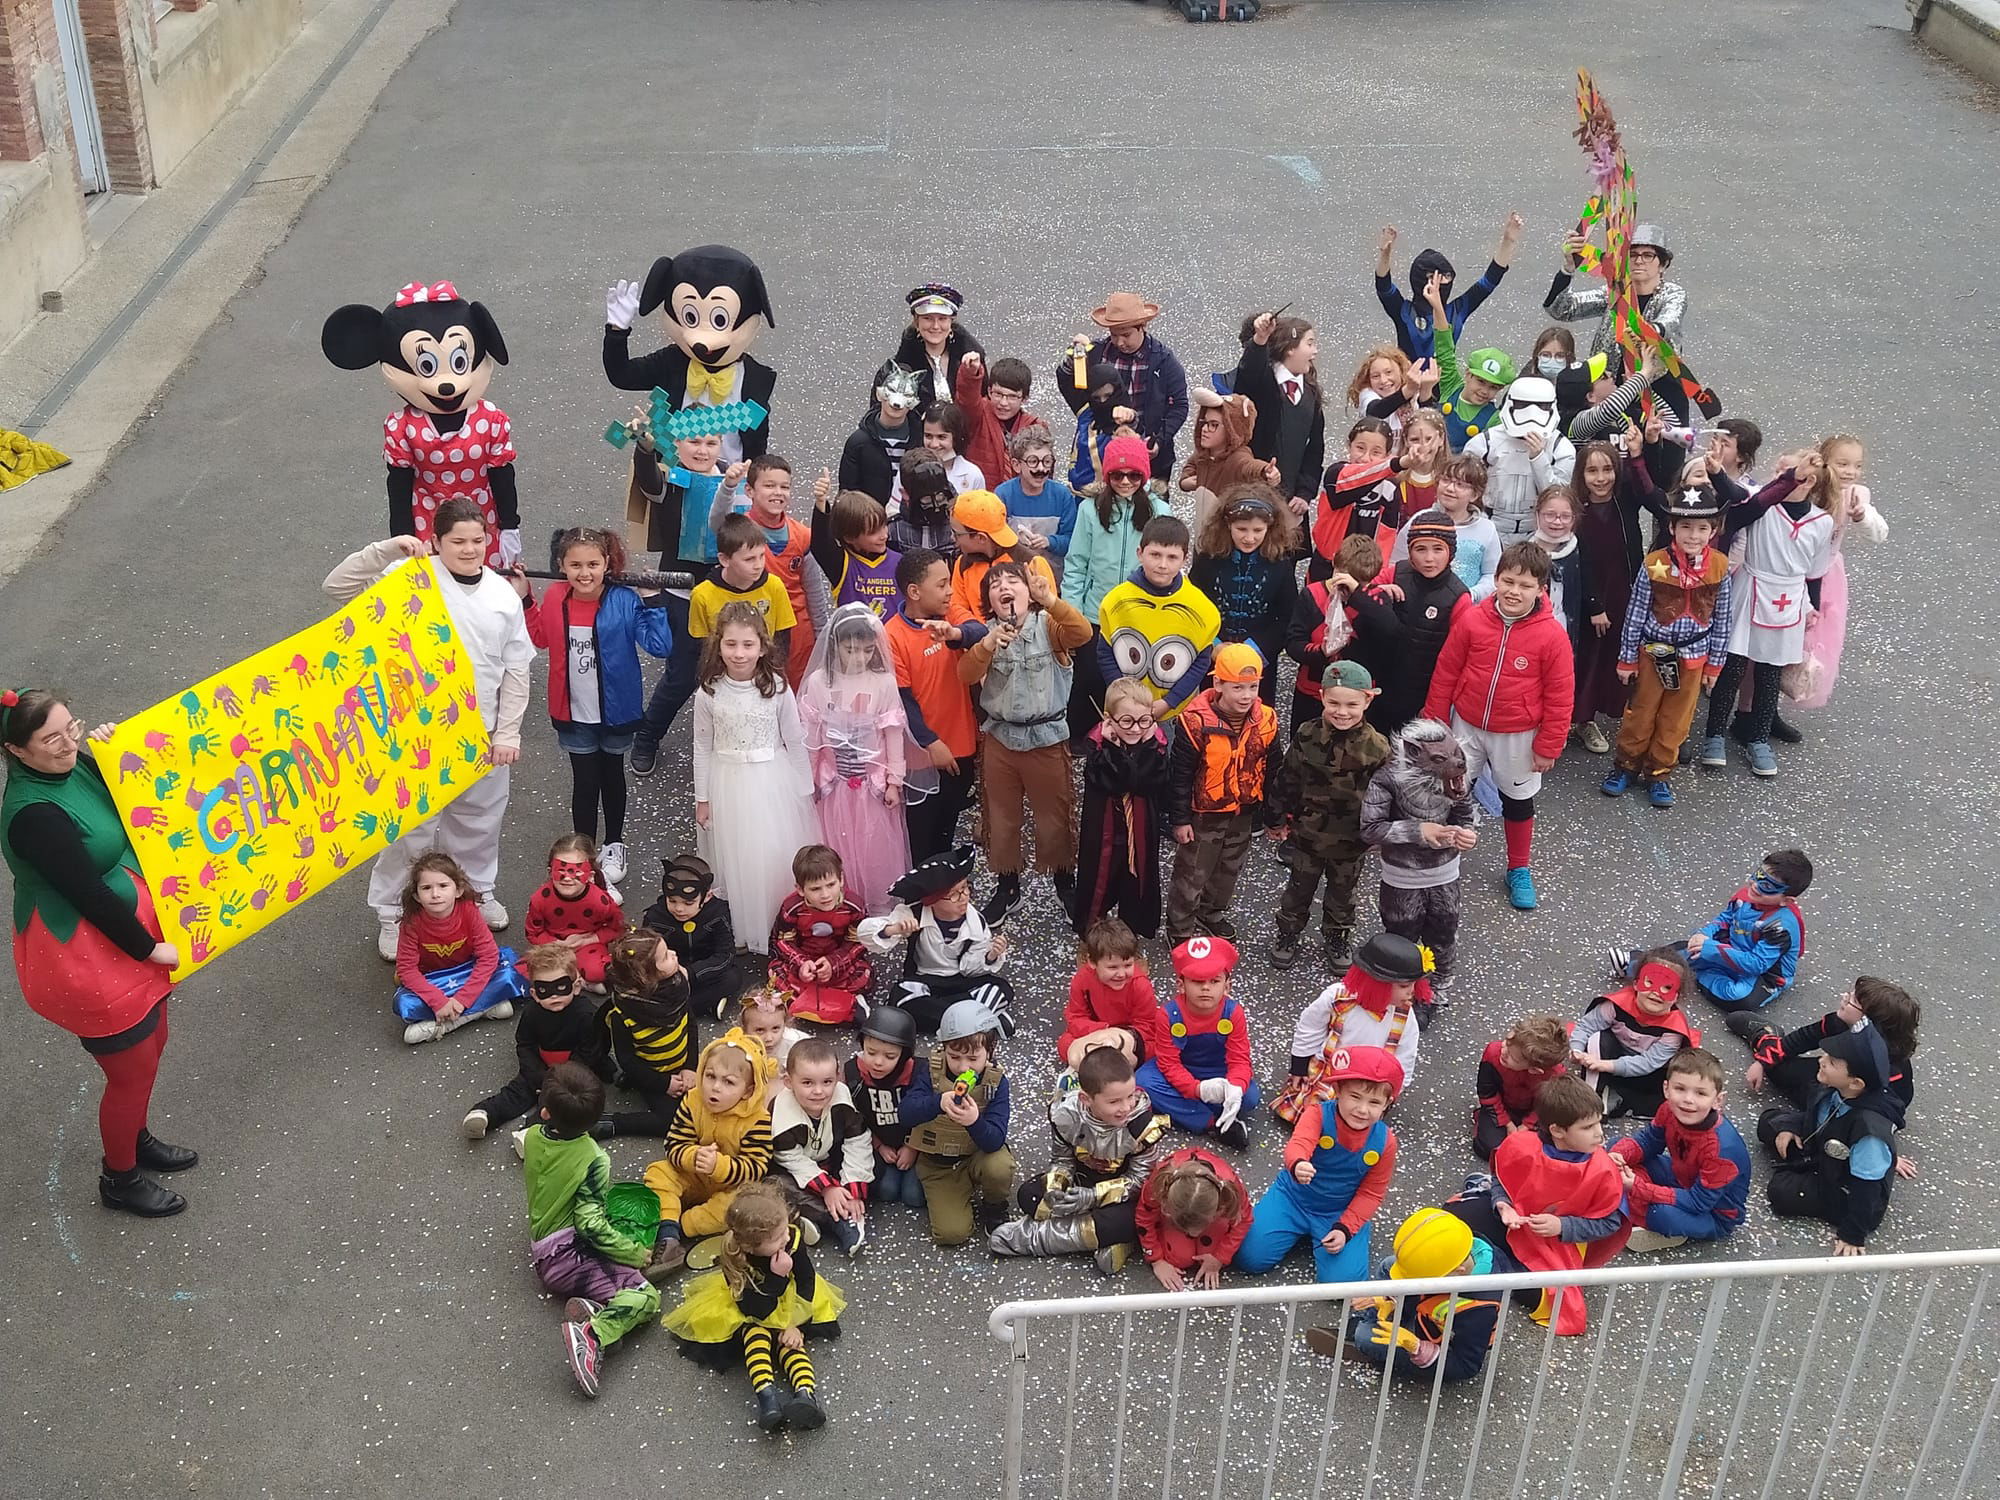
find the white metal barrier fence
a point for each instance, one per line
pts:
(1852, 1377)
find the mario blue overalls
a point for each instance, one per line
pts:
(1204, 1054)
(1291, 1211)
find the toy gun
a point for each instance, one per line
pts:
(964, 1083)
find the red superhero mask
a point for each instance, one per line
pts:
(1658, 987)
(563, 870)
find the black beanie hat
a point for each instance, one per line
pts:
(1432, 526)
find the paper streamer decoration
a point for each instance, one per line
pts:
(264, 784)
(689, 421)
(1615, 206)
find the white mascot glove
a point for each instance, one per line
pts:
(510, 547)
(621, 304)
(1232, 1105)
(1213, 1091)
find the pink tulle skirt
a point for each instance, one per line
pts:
(1826, 636)
(870, 838)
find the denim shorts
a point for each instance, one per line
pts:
(583, 739)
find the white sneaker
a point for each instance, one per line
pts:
(388, 936)
(617, 896)
(494, 913)
(611, 863)
(1645, 1241)
(521, 1144)
(473, 1126)
(421, 1031)
(504, 1011)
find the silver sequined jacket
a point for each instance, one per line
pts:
(1567, 304)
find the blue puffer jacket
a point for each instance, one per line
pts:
(625, 622)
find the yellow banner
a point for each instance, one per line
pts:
(264, 784)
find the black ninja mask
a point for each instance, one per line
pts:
(1427, 264)
(1107, 394)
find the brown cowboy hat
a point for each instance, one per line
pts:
(1125, 310)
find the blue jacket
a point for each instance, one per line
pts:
(625, 622)
(1163, 409)
(1413, 319)
(1748, 948)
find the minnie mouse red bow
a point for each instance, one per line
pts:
(416, 291)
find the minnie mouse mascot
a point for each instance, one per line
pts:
(437, 351)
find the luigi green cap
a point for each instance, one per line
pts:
(1494, 366)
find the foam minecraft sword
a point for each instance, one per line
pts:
(688, 421)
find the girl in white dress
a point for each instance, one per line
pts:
(752, 785)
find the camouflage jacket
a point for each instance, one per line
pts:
(1319, 788)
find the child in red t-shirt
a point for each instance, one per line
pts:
(1111, 1003)
(1511, 1069)
(445, 951)
(1197, 1070)
(573, 909)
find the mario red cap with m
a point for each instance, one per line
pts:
(1204, 958)
(1365, 1064)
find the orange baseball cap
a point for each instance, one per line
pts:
(1239, 661)
(984, 511)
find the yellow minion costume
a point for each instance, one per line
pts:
(1161, 638)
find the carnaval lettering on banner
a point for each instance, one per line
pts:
(264, 784)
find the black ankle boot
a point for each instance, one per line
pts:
(1784, 733)
(134, 1192)
(770, 1414)
(803, 1413)
(155, 1155)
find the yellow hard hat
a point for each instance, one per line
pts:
(1430, 1243)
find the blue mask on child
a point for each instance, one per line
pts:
(1551, 365)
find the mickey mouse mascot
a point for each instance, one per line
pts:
(437, 351)
(713, 298)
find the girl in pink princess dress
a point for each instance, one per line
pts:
(865, 766)
(1841, 493)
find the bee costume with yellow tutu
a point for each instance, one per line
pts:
(763, 1302)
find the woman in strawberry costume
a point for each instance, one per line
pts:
(87, 944)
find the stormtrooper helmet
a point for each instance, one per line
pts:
(1530, 406)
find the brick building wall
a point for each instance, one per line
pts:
(27, 47)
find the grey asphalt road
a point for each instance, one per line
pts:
(346, 1309)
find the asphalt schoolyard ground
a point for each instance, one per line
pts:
(346, 1309)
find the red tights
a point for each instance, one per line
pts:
(128, 1090)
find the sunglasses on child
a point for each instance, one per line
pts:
(1131, 476)
(548, 989)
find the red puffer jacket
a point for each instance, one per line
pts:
(1507, 676)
